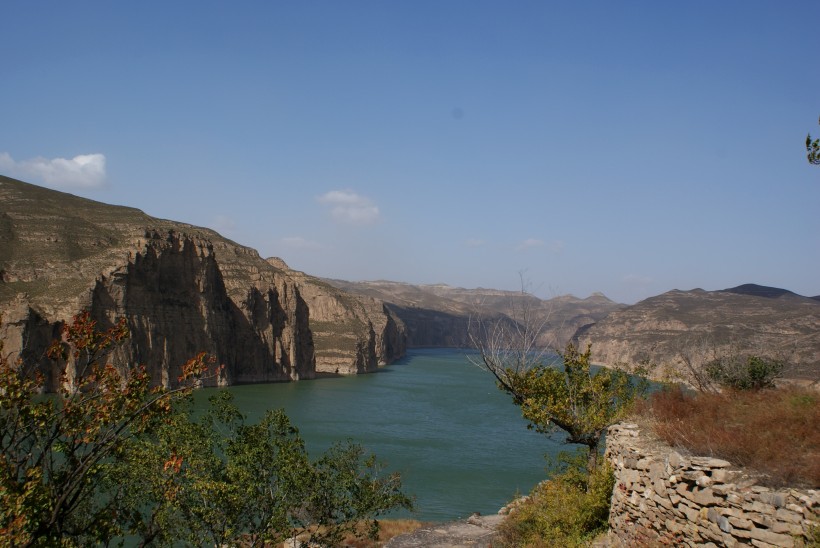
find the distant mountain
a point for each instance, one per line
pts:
(440, 315)
(696, 324)
(760, 291)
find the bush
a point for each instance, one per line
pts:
(745, 373)
(568, 510)
(771, 431)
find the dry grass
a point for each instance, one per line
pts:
(389, 528)
(773, 432)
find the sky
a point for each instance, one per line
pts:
(628, 148)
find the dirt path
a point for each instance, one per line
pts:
(474, 532)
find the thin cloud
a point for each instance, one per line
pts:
(474, 242)
(350, 208)
(529, 243)
(81, 171)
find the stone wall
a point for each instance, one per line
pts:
(663, 497)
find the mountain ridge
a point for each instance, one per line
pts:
(185, 289)
(182, 289)
(696, 325)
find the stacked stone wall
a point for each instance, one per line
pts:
(663, 497)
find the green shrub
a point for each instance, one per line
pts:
(745, 372)
(568, 510)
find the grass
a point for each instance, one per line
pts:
(772, 432)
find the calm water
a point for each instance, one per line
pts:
(459, 443)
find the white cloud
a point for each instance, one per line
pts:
(474, 242)
(82, 171)
(350, 208)
(297, 242)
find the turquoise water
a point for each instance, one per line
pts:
(459, 443)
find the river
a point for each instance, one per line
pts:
(459, 443)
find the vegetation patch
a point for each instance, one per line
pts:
(109, 457)
(773, 432)
(568, 510)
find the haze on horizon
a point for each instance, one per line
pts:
(627, 149)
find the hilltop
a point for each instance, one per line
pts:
(696, 324)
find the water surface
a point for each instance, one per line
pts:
(459, 443)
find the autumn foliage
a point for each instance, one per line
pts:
(111, 456)
(771, 431)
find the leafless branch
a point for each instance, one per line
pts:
(513, 343)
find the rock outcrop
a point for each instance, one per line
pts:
(698, 325)
(346, 325)
(182, 289)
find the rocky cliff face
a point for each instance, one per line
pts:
(351, 333)
(445, 316)
(182, 290)
(696, 325)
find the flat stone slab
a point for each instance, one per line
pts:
(474, 532)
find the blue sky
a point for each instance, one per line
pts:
(622, 147)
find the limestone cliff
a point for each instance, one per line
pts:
(351, 333)
(182, 289)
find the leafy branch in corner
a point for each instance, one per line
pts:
(813, 149)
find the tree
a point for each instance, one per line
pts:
(813, 149)
(110, 456)
(570, 397)
(218, 479)
(54, 451)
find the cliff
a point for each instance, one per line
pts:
(441, 315)
(696, 325)
(345, 324)
(182, 289)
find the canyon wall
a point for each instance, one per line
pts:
(182, 290)
(345, 324)
(176, 302)
(443, 316)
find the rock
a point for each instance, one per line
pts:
(477, 532)
(182, 290)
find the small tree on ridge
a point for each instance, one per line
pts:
(570, 397)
